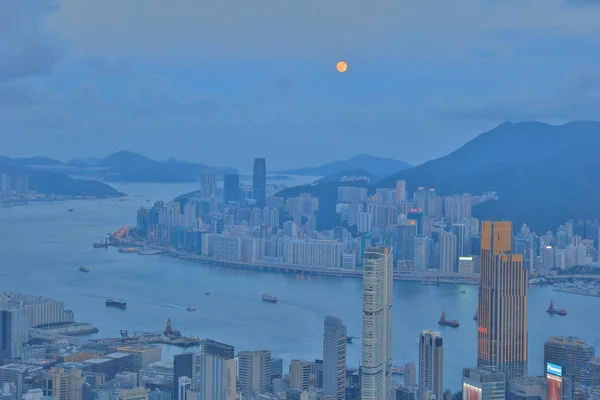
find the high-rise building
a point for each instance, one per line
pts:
(483, 383)
(62, 384)
(208, 182)
(254, 371)
(460, 231)
(14, 331)
(377, 324)
(528, 388)
(410, 374)
(502, 319)
(218, 378)
(184, 384)
(401, 190)
(431, 365)
(183, 366)
(259, 182)
(404, 244)
(572, 353)
(22, 376)
(299, 374)
(218, 349)
(421, 253)
(231, 188)
(448, 258)
(334, 358)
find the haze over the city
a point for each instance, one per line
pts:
(222, 82)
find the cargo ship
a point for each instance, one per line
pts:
(552, 310)
(269, 298)
(116, 304)
(84, 269)
(445, 322)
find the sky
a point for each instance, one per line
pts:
(222, 82)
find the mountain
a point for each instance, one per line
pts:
(543, 174)
(43, 180)
(373, 165)
(126, 166)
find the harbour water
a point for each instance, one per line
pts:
(43, 245)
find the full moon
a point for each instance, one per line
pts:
(341, 66)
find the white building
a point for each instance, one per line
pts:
(377, 324)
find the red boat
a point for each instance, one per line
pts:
(552, 310)
(445, 322)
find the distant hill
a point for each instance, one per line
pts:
(544, 174)
(45, 181)
(375, 166)
(126, 166)
(337, 176)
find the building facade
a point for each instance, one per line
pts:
(502, 318)
(334, 358)
(431, 365)
(377, 324)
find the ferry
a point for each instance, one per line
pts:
(149, 252)
(269, 298)
(445, 322)
(116, 304)
(128, 250)
(190, 308)
(84, 269)
(552, 310)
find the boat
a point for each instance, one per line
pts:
(70, 210)
(101, 245)
(463, 291)
(149, 252)
(553, 310)
(350, 338)
(128, 250)
(269, 298)
(476, 317)
(207, 293)
(84, 269)
(190, 308)
(116, 304)
(446, 322)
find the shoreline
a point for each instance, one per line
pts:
(430, 279)
(576, 292)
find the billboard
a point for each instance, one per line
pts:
(554, 387)
(471, 392)
(553, 369)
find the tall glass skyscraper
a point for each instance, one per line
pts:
(377, 324)
(502, 319)
(259, 182)
(431, 365)
(334, 358)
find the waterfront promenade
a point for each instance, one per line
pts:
(427, 277)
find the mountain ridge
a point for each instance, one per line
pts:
(376, 166)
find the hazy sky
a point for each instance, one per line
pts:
(223, 81)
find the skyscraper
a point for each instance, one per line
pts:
(14, 330)
(448, 258)
(218, 371)
(259, 181)
(299, 374)
(334, 358)
(183, 366)
(231, 188)
(209, 186)
(255, 371)
(502, 320)
(483, 383)
(377, 324)
(431, 365)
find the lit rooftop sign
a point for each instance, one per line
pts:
(554, 369)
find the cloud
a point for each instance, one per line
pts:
(27, 47)
(577, 98)
(275, 29)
